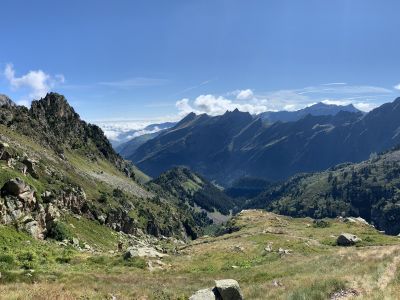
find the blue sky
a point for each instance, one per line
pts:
(157, 60)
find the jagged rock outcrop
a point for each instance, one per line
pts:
(52, 122)
(6, 101)
(19, 206)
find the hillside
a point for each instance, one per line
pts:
(235, 145)
(53, 165)
(197, 192)
(271, 256)
(126, 149)
(370, 189)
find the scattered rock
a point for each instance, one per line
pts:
(347, 239)
(226, 289)
(282, 251)
(268, 248)
(4, 152)
(344, 294)
(30, 167)
(277, 283)
(206, 294)
(75, 242)
(143, 252)
(238, 248)
(229, 289)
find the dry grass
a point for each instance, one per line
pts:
(315, 269)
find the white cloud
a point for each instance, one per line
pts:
(336, 102)
(335, 83)
(119, 131)
(37, 82)
(365, 106)
(244, 94)
(217, 105)
(363, 97)
(397, 86)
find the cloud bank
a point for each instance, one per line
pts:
(363, 97)
(37, 83)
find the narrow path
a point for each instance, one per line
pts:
(390, 272)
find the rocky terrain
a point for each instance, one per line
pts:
(269, 256)
(54, 164)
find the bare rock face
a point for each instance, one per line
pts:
(5, 101)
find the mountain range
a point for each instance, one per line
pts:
(318, 109)
(237, 144)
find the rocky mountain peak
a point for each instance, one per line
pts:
(6, 101)
(53, 105)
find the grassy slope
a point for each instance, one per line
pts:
(314, 270)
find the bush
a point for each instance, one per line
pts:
(28, 259)
(65, 257)
(321, 224)
(58, 232)
(103, 198)
(135, 262)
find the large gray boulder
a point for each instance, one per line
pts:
(228, 289)
(347, 239)
(206, 294)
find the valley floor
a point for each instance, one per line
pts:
(312, 267)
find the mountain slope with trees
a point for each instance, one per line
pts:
(235, 145)
(370, 189)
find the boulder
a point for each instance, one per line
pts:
(4, 151)
(15, 187)
(228, 289)
(130, 253)
(30, 167)
(347, 239)
(206, 294)
(143, 252)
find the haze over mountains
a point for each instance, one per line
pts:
(237, 144)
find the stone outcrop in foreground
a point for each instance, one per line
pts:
(226, 289)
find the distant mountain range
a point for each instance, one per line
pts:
(319, 109)
(237, 144)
